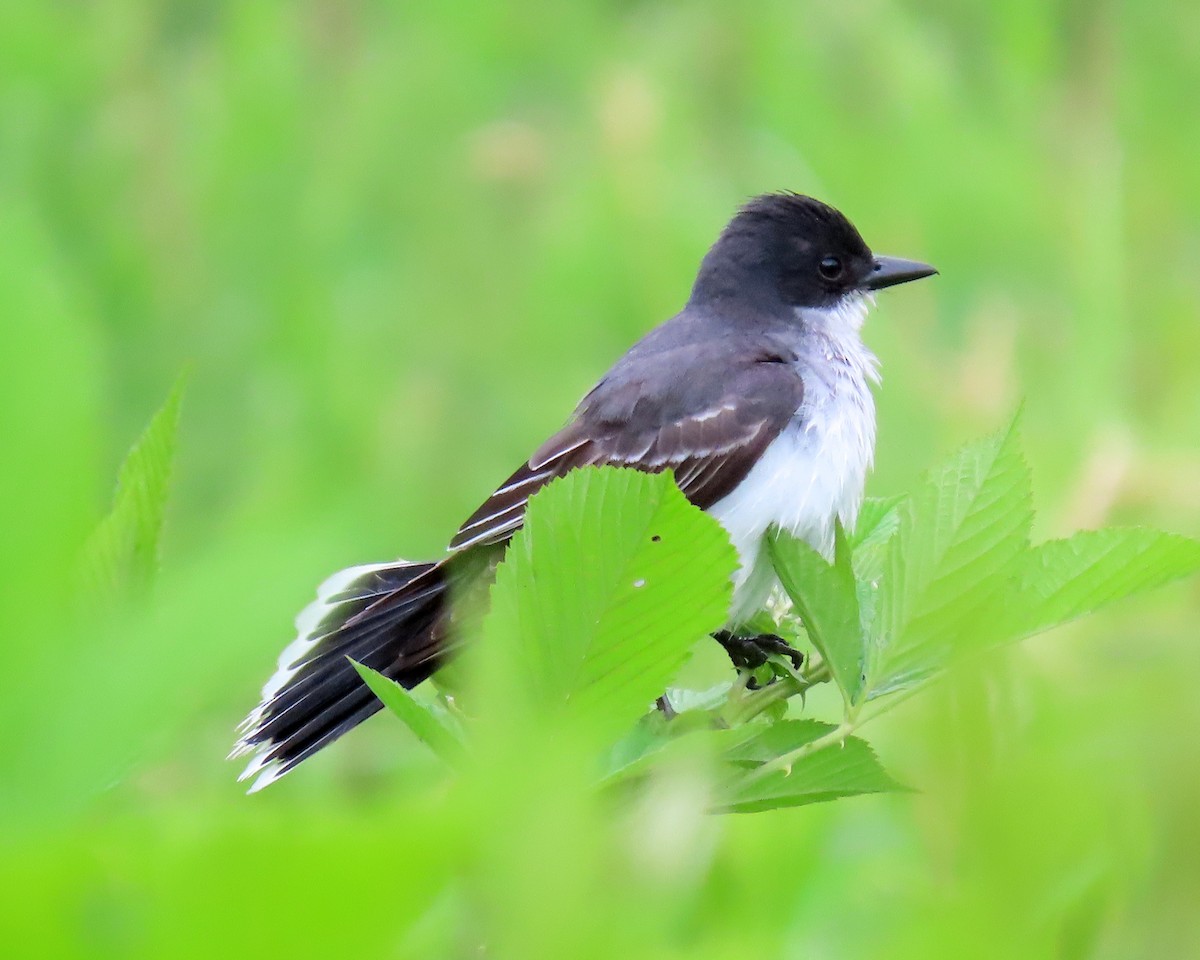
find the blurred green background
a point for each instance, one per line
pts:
(393, 244)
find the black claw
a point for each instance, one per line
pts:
(750, 653)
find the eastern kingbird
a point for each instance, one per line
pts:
(756, 395)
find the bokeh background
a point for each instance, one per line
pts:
(392, 244)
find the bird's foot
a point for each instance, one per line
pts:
(751, 652)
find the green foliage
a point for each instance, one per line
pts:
(436, 732)
(755, 766)
(121, 556)
(813, 772)
(1065, 579)
(949, 572)
(605, 590)
(615, 576)
(825, 595)
(946, 567)
(387, 298)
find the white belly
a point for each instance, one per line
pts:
(812, 474)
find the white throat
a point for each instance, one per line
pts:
(815, 471)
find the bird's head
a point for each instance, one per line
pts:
(797, 250)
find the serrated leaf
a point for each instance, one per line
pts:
(771, 741)
(960, 538)
(611, 580)
(845, 769)
(825, 595)
(121, 556)
(878, 523)
(1064, 579)
(878, 519)
(655, 740)
(422, 721)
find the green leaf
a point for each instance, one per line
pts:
(419, 718)
(960, 539)
(611, 580)
(1064, 579)
(121, 556)
(712, 698)
(826, 597)
(877, 521)
(844, 769)
(655, 740)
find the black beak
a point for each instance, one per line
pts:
(890, 271)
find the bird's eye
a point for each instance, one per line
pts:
(830, 268)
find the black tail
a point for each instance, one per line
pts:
(387, 616)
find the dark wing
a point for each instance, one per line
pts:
(708, 422)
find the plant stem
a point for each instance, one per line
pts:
(787, 760)
(834, 737)
(750, 705)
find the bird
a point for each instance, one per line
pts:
(756, 395)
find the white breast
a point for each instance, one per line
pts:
(814, 472)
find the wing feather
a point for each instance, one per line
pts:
(710, 429)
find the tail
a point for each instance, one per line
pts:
(387, 616)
